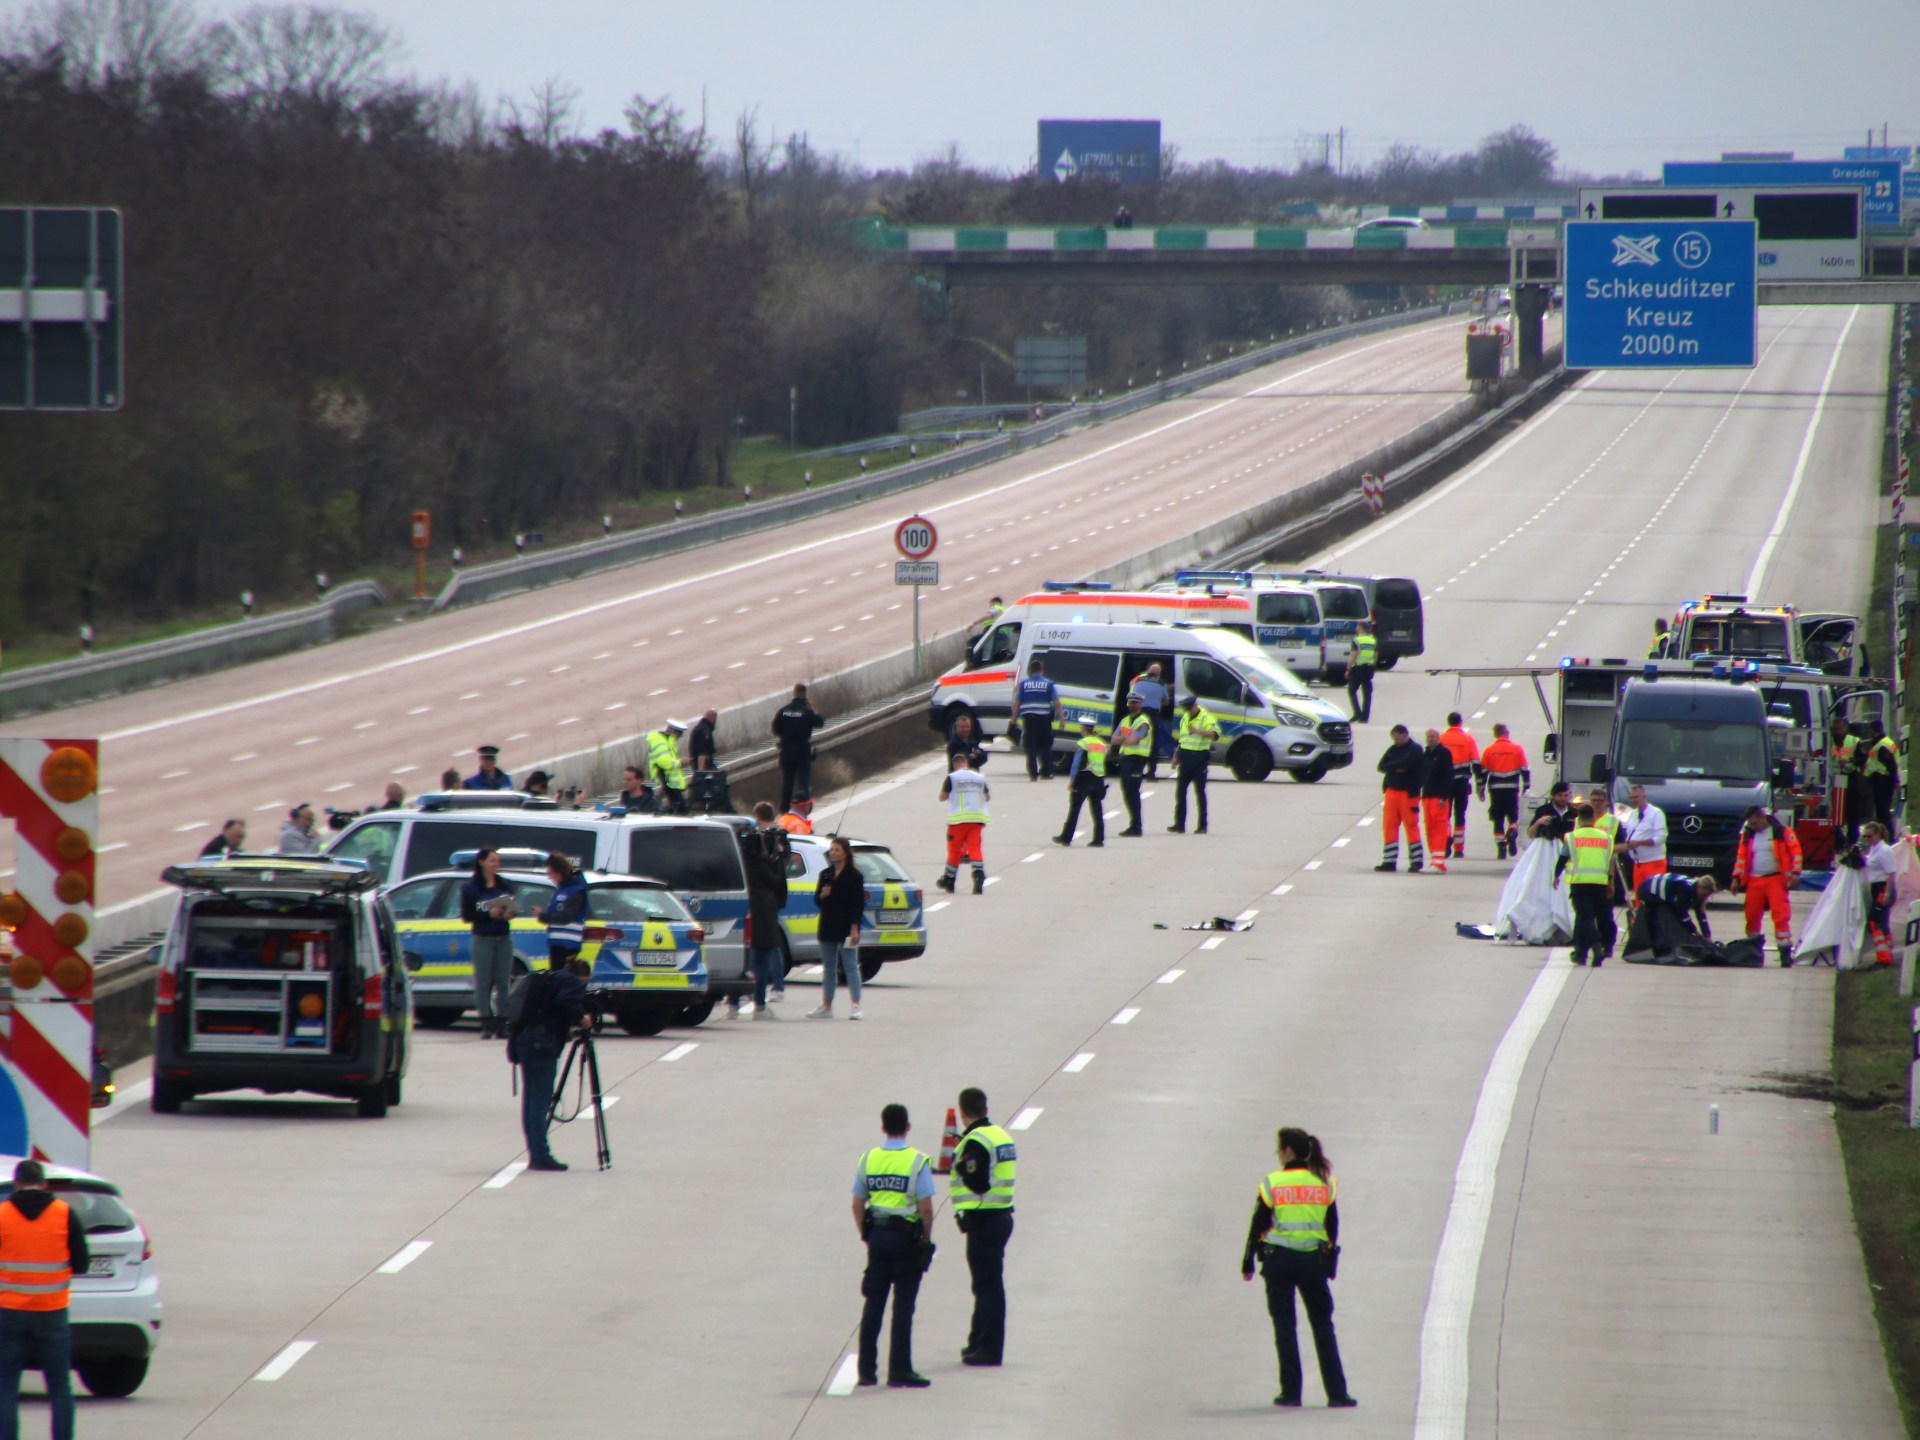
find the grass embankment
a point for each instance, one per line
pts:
(1872, 1050)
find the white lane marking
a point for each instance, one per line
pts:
(845, 1377)
(336, 789)
(244, 755)
(680, 1052)
(617, 705)
(116, 845)
(1125, 1017)
(1281, 889)
(1024, 1120)
(1343, 840)
(1248, 913)
(191, 825)
(1029, 859)
(470, 695)
(285, 1360)
(937, 906)
(1364, 820)
(1765, 558)
(1441, 1412)
(366, 724)
(886, 787)
(1213, 943)
(1146, 794)
(991, 880)
(652, 693)
(1311, 865)
(1078, 1063)
(1169, 977)
(1113, 814)
(505, 1177)
(404, 770)
(270, 805)
(405, 1256)
(420, 710)
(176, 775)
(310, 740)
(607, 1102)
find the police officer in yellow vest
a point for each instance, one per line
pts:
(42, 1247)
(1366, 655)
(1193, 740)
(1881, 768)
(983, 1208)
(1589, 874)
(893, 1211)
(663, 766)
(1087, 784)
(1849, 782)
(1295, 1232)
(1133, 747)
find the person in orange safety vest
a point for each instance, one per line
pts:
(1466, 757)
(1502, 778)
(42, 1247)
(1765, 867)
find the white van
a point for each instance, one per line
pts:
(1268, 719)
(1287, 618)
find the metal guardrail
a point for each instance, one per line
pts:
(112, 672)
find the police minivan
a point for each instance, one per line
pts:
(1287, 619)
(1399, 615)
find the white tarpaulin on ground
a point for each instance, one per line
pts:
(1533, 910)
(1838, 924)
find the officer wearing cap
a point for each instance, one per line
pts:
(799, 817)
(1194, 739)
(663, 766)
(490, 776)
(1087, 777)
(1132, 749)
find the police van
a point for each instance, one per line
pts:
(1289, 620)
(982, 684)
(1268, 718)
(1393, 602)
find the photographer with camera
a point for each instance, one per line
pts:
(765, 851)
(545, 1008)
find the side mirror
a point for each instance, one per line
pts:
(1551, 749)
(412, 961)
(1597, 770)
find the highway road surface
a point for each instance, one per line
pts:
(1541, 1237)
(560, 670)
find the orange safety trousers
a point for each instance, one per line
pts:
(1646, 870)
(1438, 811)
(1769, 893)
(963, 843)
(1402, 809)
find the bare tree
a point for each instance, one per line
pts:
(272, 54)
(754, 159)
(128, 42)
(547, 118)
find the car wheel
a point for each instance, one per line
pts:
(112, 1377)
(643, 1022)
(372, 1101)
(1336, 676)
(1250, 760)
(167, 1097)
(870, 966)
(393, 1088)
(1311, 775)
(437, 1017)
(696, 1014)
(1387, 662)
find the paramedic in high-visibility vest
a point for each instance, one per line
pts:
(982, 1195)
(43, 1246)
(1765, 867)
(1295, 1233)
(1589, 875)
(966, 795)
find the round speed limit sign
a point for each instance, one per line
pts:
(915, 537)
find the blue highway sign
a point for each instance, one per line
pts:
(1879, 180)
(1660, 294)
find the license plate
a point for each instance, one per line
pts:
(1692, 862)
(634, 959)
(100, 1265)
(894, 917)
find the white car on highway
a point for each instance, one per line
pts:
(114, 1309)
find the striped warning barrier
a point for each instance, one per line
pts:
(50, 789)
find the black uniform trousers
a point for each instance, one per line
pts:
(1090, 790)
(1881, 788)
(1503, 808)
(893, 1268)
(987, 1234)
(1360, 683)
(1594, 930)
(1305, 1271)
(1193, 772)
(1462, 793)
(796, 773)
(1036, 738)
(1132, 767)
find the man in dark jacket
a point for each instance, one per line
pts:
(1403, 768)
(1436, 797)
(700, 747)
(793, 726)
(765, 849)
(37, 1234)
(551, 1006)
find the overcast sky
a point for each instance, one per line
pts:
(1618, 85)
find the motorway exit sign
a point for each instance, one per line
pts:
(61, 341)
(1660, 294)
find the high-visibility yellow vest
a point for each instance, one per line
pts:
(1592, 851)
(1095, 749)
(663, 760)
(1134, 735)
(966, 798)
(999, 1195)
(1883, 758)
(1366, 650)
(36, 1265)
(1299, 1200)
(890, 1176)
(1197, 729)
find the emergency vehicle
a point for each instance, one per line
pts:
(1394, 605)
(1287, 618)
(894, 926)
(1724, 626)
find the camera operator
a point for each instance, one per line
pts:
(548, 1006)
(765, 850)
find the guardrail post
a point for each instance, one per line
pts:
(1910, 948)
(1913, 1078)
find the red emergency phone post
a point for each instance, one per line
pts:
(422, 537)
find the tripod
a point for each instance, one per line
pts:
(588, 1092)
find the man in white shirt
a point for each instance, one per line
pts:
(966, 794)
(1643, 835)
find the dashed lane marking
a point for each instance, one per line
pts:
(1125, 1017)
(285, 1360)
(845, 1377)
(1213, 942)
(1281, 889)
(1169, 977)
(1078, 1063)
(505, 1176)
(1024, 1120)
(680, 1052)
(405, 1256)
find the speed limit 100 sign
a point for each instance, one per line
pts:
(916, 537)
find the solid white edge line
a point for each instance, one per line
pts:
(1024, 1120)
(1765, 557)
(1441, 1411)
(1125, 1017)
(505, 1176)
(405, 1256)
(1078, 1063)
(680, 1052)
(285, 1360)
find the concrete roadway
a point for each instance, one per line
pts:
(564, 669)
(1562, 1250)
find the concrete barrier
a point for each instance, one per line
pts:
(113, 672)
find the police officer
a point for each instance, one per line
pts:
(1589, 871)
(1157, 699)
(1848, 781)
(1880, 769)
(1295, 1232)
(1087, 777)
(1366, 654)
(982, 1194)
(663, 766)
(1133, 749)
(793, 726)
(490, 776)
(1036, 705)
(893, 1211)
(1193, 739)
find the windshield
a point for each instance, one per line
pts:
(1272, 680)
(611, 904)
(1738, 635)
(100, 1211)
(1343, 602)
(879, 866)
(1693, 750)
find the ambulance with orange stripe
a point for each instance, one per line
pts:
(982, 685)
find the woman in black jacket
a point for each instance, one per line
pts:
(841, 894)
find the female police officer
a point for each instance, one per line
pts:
(1296, 1231)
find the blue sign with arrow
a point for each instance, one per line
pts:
(1660, 294)
(1879, 180)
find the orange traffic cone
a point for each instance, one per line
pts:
(1882, 949)
(947, 1143)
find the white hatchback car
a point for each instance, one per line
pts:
(114, 1307)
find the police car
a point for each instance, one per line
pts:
(649, 967)
(113, 1309)
(895, 924)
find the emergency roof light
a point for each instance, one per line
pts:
(1060, 586)
(1197, 577)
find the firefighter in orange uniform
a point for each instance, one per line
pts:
(1466, 759)
(1503, 777)
(1765, 867)
(799, 817)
